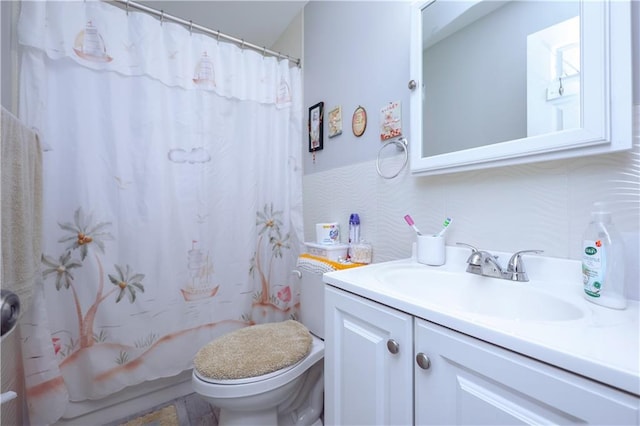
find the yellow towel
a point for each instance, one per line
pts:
(21, 209)
(334, 265)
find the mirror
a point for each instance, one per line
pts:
(509, 82)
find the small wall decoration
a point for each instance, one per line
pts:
(390, 121)
(335, 121)
(315, 127)
(359, 121)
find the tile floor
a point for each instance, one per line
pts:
(191, 409)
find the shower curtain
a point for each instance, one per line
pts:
(172, 196)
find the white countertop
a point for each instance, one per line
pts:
(603, 345)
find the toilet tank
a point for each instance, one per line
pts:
(312, 294)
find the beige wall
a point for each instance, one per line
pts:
(290, 42)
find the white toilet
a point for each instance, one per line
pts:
(291, 395)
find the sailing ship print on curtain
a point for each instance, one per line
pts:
(172, 196)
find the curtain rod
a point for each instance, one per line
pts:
(193, 26)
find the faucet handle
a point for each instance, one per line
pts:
(475, 258)
(515, 266)
(473, 249)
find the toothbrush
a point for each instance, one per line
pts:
(412, 224)
(445, 226)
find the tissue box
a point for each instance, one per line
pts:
(328, 233)
(330, 251)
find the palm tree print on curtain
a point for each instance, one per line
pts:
(270, 246)
(86, 239)
(84, 234)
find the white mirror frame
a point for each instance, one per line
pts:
(606, 97)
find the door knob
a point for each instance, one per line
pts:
(423, 361)
(10, 310)
(393, 346)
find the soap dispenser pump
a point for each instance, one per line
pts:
(603, 261)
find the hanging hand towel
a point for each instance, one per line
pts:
(21, 210)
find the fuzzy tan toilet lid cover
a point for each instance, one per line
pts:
(254, 351)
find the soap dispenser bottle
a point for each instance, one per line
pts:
(603, 261)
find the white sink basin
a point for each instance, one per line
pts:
(473, 294)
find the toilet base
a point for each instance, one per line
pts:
(244, 418)
(303, 405)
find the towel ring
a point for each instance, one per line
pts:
(401, 143)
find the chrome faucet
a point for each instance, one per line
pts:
(483, 263)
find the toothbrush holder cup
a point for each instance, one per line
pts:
(431, 250)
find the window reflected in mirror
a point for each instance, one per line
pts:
(553, 78)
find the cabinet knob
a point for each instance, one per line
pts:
(423, 361)
(412, 84)
(393, 346)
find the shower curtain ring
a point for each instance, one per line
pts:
(264, 52)
(242, 45)
(127, 8)
(161, 16)
(190, 27)
(218, 37)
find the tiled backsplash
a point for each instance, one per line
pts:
(534, 206)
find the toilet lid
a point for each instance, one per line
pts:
(254, 351)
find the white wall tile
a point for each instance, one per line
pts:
(534, 206)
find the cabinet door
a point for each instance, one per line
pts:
(472, 382)
(365, 383)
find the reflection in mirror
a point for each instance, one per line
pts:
(553, 78)
(499, 71)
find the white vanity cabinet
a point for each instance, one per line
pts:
(447, 376)
(473, 382)
(368, 362)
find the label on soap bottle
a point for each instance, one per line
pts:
(593, 267)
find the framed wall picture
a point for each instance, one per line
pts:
(315, 127)
(335, 121)
(359, 121)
